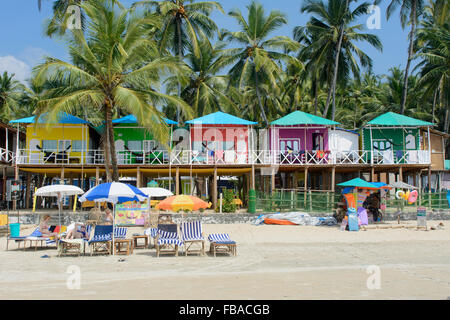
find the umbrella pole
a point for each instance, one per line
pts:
(114, 227)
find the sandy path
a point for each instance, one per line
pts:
(273, 262)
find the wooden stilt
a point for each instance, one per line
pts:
(28, 191)
(214, 190)
(177, 181)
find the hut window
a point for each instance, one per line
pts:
(49, 144)
(410, 142)
(78, 145)
(64, 145)
(149, 145)
(135, 145)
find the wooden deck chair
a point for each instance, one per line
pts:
(192, 235)
(167, 240)
(221, 243)
(100, 241)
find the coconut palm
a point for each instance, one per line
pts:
(203, 87)
(434, 44)
(410, 11)
(115, 67)
(184, 21)
(11, 92)
(333, 39)
(255, 64)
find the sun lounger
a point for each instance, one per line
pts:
(192, 234)
(35, 238)
(100, 241)
(73, 246)
(221, 243)
(167, 242)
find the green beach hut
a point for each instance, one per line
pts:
(136, 145)
(393, 138)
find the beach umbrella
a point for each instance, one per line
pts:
(113, 192)
(59, 191)
(182, 202)
(358, 183)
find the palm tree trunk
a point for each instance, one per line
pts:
(336, 63)
(316, 96)
(106, 150)
(112, 146)
(410, 54)
(263, 113)
(434, 104)
(180, 55)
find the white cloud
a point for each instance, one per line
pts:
(33, 55)
(11, 64)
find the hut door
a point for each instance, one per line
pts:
(317, 141)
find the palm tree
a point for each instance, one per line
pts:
(114, 68)
(203, 88)
(410, 11)
(182, 25)
(333, 39)
(11, 92)
(255, 63)
(434, 44)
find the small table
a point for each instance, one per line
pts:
(140, 246)
(128, 245)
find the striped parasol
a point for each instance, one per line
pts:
(182, 202)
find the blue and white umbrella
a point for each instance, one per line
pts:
(113, 192)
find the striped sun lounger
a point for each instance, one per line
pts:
(167, 242)
(101, 239)
(222, 243)
(192, 234)
(35, 237)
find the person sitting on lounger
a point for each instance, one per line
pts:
(108, 217)
(44, 228)
(78, 231)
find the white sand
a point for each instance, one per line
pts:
(273, 262)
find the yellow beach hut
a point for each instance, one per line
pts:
(65, 140)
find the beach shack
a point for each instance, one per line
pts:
(221, 138)
(136, 144)
(63, 139)
(395, 139)
(300, 138)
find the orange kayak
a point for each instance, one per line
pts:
(277, 221)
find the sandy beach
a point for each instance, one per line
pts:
(273, 262)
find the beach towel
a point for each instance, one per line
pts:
(353, 222)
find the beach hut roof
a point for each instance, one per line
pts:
(395, 119)
(302, 118)
(132, 119)
(358, 183)
(62, 117)
(220, 118)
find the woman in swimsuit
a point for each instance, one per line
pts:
(108, 217)
(43, 228)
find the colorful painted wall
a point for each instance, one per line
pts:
(299, 138)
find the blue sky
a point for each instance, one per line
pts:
(23, 43)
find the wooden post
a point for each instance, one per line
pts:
(333, 179)
(27, 191)
(4, 184)
(138, 178)
(97, 176)
(372, 174)
(400, 174)
(177, 181)
(294, 180)
(429, 187)
(306, 186)
(214, 190)
(272, 184)
(61, 181)
(252, 178)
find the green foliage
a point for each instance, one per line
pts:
(227, 201)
